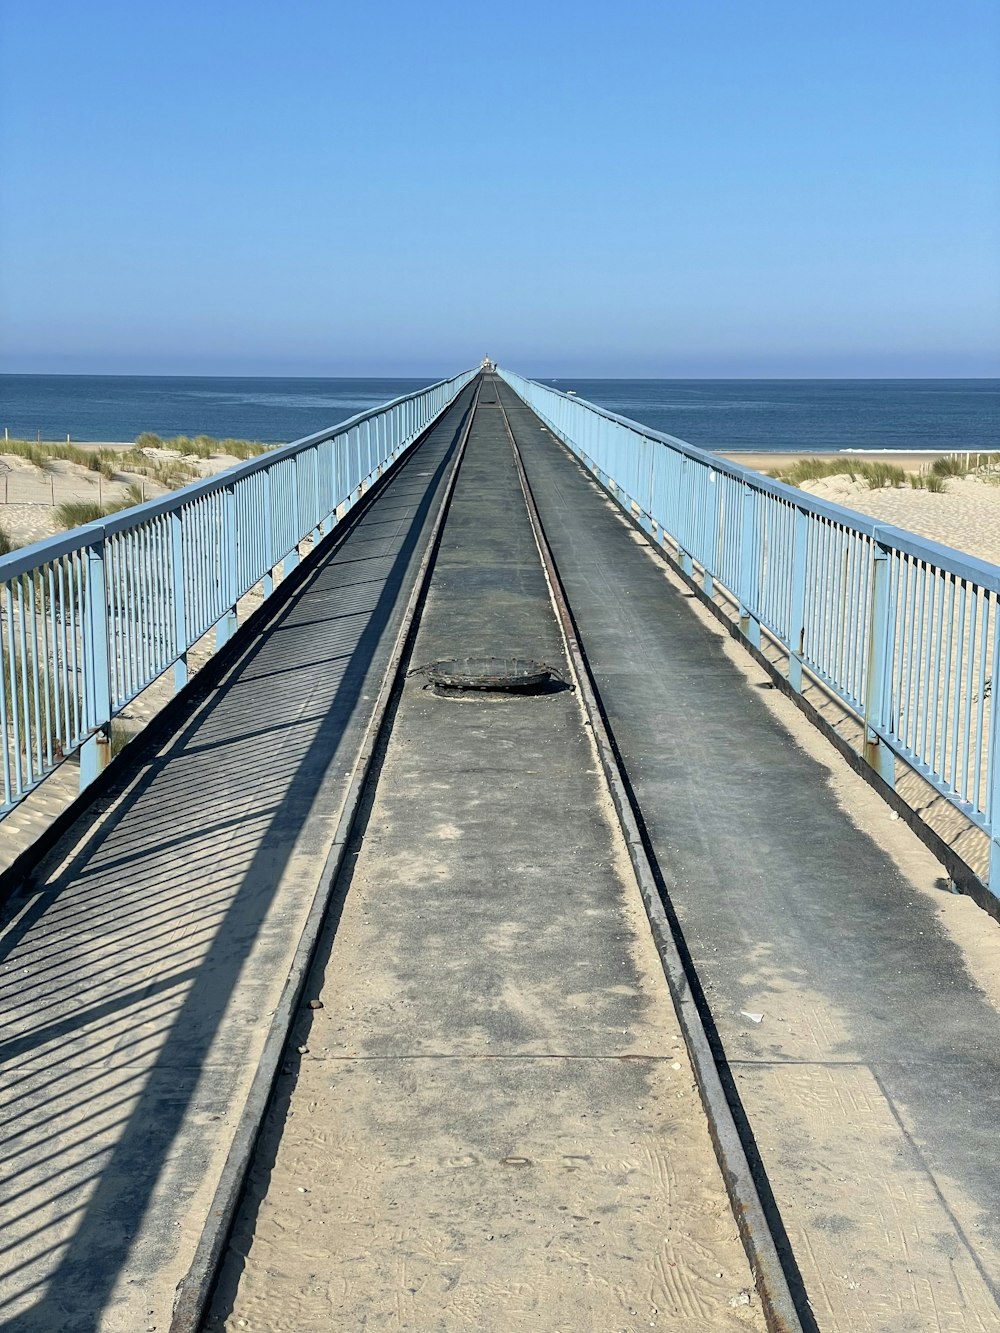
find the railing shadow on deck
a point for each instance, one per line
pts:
(121, 971)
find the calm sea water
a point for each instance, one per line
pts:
(120, 407)
(809, 414)
(716, 414)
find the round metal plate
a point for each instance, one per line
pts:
(517, 675)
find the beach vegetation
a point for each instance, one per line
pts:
(928, 481)
(75, 513)
(41, 455)
(103, 461)
(814, 469)
(28, 450)
(172, 473)
(878, 475)
(120, 737)
(949, 467)
(134, 495)
(874, 475)
(202, 446)
(7, 543)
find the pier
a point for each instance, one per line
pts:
(348, 998)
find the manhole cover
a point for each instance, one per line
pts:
(507, 675)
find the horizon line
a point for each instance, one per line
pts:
(431, 377)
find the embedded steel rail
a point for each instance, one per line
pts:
(903, 631)
(195, 1288)
(779, 1306)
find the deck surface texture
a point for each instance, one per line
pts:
(136, 984)
(490, 1091)
(492, 1123)
(872, 1084)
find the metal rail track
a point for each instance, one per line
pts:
(194, 1292)
(780, 1308)
(195, 1289)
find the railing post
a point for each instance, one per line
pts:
(876, 752)
(711, 540)
(292, 558)
(648, 522)
(96, 749)
(749, 624)
(226, 627)
(684, 524)
(177, 582)
(797, 615)
(268, 579)
(993, 767)
(317, 531)
(328, 517)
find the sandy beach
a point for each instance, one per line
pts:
(965, 516)
(30, 496)
(773, 461)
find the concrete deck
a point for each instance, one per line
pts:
(872, 1085)
(492, 1123)
(136, 985)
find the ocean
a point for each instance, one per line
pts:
(753, 415)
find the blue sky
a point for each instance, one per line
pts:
(703, 188)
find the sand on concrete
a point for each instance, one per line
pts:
(489, 1121)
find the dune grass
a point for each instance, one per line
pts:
(134, 495)
(103, 461)
(202, 446)
(173, 473)
(949, 467)
(812, 469)
(74, 513)
(876, 475)
(170, 473)
(928, 481)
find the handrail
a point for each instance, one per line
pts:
(904, 631)
(90, 618)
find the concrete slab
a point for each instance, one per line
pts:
(492, 1121)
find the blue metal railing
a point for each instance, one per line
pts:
(904, 631)
(90, 618)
